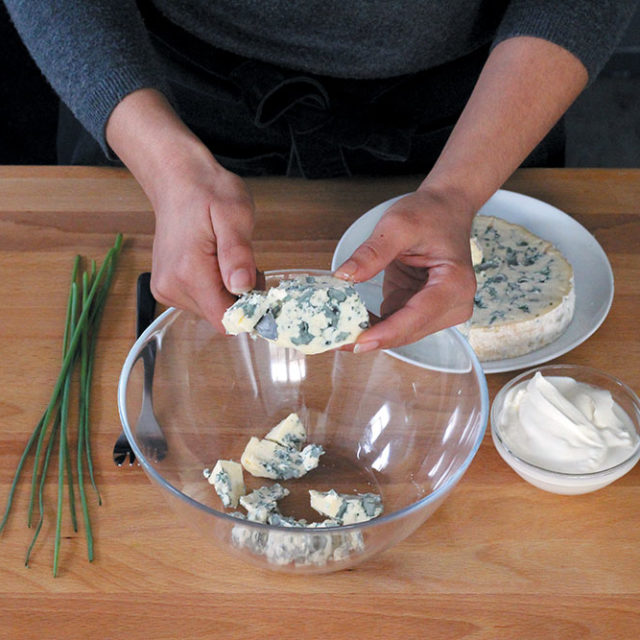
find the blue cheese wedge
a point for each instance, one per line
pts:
(262, 503)
(346, 508)
(226, 478)
(289, 433)
(525, 297)
(308, 313)
(268, 459)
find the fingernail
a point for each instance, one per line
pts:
(347, 270)
(363, 347)
(240, 281)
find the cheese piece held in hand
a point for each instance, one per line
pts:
(245, 313)
(476, 251)
(346, 508)
(525, 295)
(228, 482)
(309, 313)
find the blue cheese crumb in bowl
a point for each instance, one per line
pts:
(309, 313)
(281, 455)
(345, 508)
(226, 477)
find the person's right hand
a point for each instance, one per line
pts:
(202, 247)
(204, 214)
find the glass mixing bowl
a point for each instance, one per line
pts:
(405, 432)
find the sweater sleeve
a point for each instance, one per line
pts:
(590, 29)
(92, 52)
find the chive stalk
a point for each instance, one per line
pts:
(82, 415)
(85, 308)
(45, 467)
(68, 328)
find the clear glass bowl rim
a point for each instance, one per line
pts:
(499, 399)
(172, 312)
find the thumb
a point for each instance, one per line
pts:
(372, 256)
(236, 260)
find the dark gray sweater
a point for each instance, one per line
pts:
(94, 52)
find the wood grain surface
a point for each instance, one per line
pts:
(500, 559)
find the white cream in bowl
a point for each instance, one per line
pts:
(562, 434)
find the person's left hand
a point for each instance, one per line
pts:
(422, 243)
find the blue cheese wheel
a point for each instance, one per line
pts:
(308, 313)
(525, 297)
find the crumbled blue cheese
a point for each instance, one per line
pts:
(289, 433)
(309, 313)
(276, 519)
(525, 294)
(246, 312)
(226, 478)
(251, 538)
(346, 508)
(263, 502)
(267, 459)
(301, 548)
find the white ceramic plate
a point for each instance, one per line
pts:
(592, 272)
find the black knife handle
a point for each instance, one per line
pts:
(146, 304)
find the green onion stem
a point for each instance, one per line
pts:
(45, 467)
(82, 428)
(66, 365)
(96, 320)
(63, 452)
(69, 326)
(16, 476)
(79, 344)
(54, 398)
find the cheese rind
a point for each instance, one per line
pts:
(525, 296)
(308, 313)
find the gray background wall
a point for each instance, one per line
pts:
(603, 125)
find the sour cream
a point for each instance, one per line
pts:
(563, 425)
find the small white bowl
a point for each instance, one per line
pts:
(569, 483)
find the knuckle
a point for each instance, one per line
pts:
(161, 288)
(169, 284)
(369, 252)
(408, 219)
